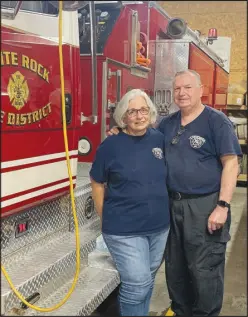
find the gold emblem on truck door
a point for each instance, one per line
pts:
(18, 90)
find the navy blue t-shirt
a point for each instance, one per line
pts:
(134, 169)
(194, 165)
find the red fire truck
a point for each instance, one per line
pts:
(109, 47)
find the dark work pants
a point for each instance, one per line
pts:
(194, 259)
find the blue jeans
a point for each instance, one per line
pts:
(137, 259)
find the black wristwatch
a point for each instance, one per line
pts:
(223, 203)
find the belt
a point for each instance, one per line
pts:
(180, 196)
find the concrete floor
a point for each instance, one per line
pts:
(235, 296)
(235, 292)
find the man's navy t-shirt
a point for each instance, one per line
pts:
(134, 168)
(194, 165)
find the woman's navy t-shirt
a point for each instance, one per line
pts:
(134, 169)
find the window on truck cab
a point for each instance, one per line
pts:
(44, 7)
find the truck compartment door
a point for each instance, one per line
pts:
(220, 88)
(170, 56)
(203, 65)
(114, 93)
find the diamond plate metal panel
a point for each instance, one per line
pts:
(47, 219)
(171, 57)
(46, 262)
(83, 183)
(94, 285)
(49, 267)
(101, 260)
(17, 257)
(43, 221)
(83, 169)
(86, 212)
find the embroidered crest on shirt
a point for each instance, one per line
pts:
(196, 141)
(157, 152)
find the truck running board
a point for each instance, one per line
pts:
(93, 287)
(49, 271)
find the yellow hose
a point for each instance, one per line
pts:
(19, 295)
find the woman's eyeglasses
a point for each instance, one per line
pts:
(176, 138)
(134, 112)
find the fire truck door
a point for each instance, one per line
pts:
(31, 127)
(113, 93)
(118, 81)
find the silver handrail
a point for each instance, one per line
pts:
(93, 62)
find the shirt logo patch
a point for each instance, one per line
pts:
(157, 152)
(196, 141)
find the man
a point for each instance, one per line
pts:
(202, 155)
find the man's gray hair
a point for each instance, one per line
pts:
(189, 71)
(121, 108)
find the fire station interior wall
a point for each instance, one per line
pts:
(230, 19)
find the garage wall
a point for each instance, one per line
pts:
(230, 19)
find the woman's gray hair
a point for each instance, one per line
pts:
(121, 108)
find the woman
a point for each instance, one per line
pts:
(133, 205)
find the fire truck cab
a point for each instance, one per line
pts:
(109, 47)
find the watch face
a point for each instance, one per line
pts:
(223, 203)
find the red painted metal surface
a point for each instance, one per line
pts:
(91, 131)
(10, 30)
(157, 22)
(205, 66)
(220, 87)
(35, 129)
(118, 46)
(32, 202)
(112, 93)
(31, 101)
(142, 10)
(24, 192)
(42, 78)
(128, 81)
(136, 82)
(32, 143)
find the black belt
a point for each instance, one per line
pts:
(180, 196)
